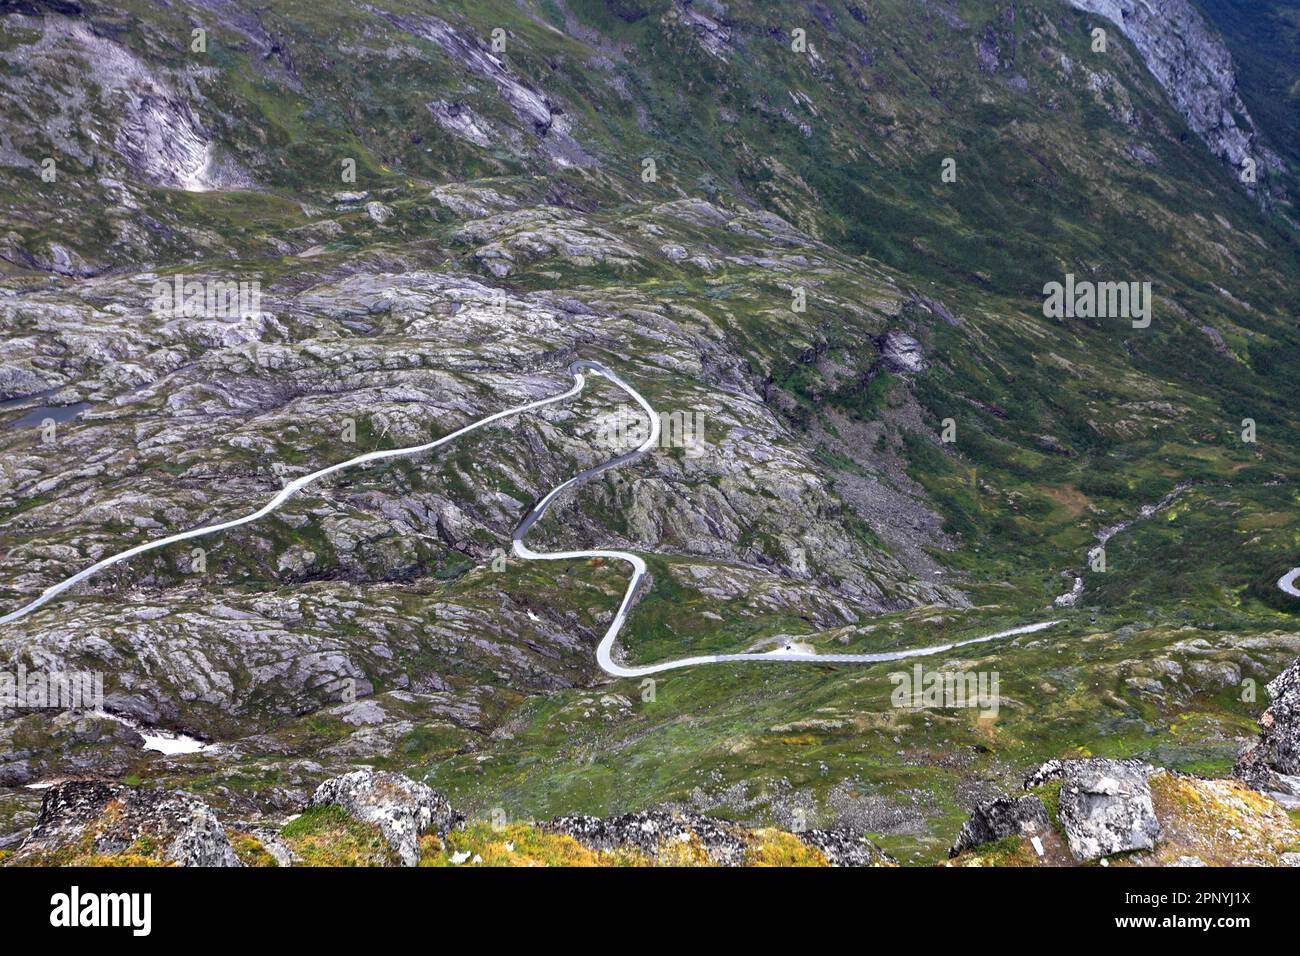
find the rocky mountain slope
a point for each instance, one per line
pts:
(815, 236)
(1076, 811)
(1193, 66)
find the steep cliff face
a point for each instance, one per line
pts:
(100, 103)
(1189, 60)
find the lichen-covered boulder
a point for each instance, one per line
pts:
(998, 819)
(652, 831)
(81, 820)
(1106, 807)
(400, 807)
(845, 847)
(1272, 763)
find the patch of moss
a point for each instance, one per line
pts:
(250, 850)
(688, 852)
(518, 844)
(328, 836)
(778, 848)
(1222, 822)
(1009, 851)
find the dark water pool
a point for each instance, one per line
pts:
(60, 413)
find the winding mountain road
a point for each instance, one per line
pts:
(289, 490)
(1288, 582)
(605, 649)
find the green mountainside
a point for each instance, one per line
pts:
(835, 256)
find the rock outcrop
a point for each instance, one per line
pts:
(17, 382)
(655, 832)
(36, 746)
(401, 808)
(1106, 807)
(159, 136)
(532, 107)
(650, 831)
(81, 820)
(901, 353)
(844, 847)
(1193, 66)
(1273, 762)
(1000, 818)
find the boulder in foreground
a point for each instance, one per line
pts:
(401, 808)
(1272, 763)
(680, 837)
(1106, 807)
(998, 819)
(82, 822)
